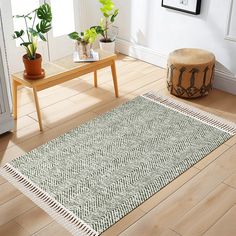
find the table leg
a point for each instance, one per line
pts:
(114, 76)
(14, 95)
(95, 79)
(38, 109)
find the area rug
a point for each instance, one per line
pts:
(92, 176)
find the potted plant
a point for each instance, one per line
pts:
(84, 42)
(29, 37)
(105, 28)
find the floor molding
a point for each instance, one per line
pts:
(6, 124)
(141, 53)
(223, 80)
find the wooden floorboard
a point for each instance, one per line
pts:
(199, 202)
(207, 212)
(225, 226)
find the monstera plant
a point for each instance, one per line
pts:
(37, 24)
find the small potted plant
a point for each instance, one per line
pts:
(29, 37)
(84, 42)
(105, 28)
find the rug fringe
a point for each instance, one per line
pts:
(193, 112)
(58, 212)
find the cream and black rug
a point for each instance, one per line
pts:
(92, 176)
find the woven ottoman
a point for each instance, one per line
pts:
(190, 72)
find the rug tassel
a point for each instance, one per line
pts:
(58, 212)
(193, 112)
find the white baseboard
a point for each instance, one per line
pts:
(223, 80)
(7, 124)
(141, 53)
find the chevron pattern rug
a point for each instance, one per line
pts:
(92, 176)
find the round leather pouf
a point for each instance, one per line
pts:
(190, 72)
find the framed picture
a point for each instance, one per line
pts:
(189, 6)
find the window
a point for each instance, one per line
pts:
(63, 17)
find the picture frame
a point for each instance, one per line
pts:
(187, 6)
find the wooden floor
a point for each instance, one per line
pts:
(202, 201)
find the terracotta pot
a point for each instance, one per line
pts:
(33, 68)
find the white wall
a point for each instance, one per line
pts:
(159, 30)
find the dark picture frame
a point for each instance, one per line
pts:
(175, 6)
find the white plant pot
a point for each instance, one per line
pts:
(109, 47)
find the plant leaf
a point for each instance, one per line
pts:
(114, 15)
(18, 34)
(107, 7)
(33, 32)
(44, 12)
(18, 16)
(99, 29)
(74, 36)
(90, 35)
(42, 36)
(26, 44)
(112, 18)
(43, 26)
(105, 14)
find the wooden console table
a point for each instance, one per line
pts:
(59, 72)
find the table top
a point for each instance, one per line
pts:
(64, 66)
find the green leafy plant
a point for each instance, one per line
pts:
(88, 36)
(29, 36)
(109, 14)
